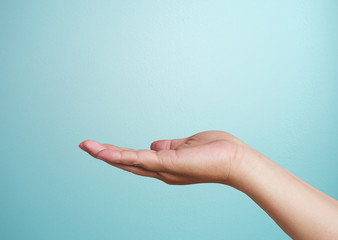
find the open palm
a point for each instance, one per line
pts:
(204, 157)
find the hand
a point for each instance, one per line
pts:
(301, 210)
(204, 157)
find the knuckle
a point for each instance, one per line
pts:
(100, 154)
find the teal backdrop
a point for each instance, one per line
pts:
(132, 72)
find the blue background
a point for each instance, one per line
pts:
(132, 72)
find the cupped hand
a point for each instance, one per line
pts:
(206, 157)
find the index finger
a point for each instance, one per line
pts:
(147, 159)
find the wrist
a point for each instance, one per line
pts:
(244, 166)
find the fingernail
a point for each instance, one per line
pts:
(81, 146)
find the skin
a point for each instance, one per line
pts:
(302, 211)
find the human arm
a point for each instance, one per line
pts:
(302, 211)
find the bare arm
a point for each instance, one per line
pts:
(301, 210)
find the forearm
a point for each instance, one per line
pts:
(301, 210)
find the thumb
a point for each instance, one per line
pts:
(167, 144)
(160, 145)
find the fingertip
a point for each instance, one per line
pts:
(91, 146)
(154, 145)
(80, 146)
(160, 145)
(88, 142)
